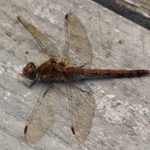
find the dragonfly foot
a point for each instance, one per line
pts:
(64, 62)
(83, 65)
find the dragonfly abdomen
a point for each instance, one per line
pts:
(94, 73)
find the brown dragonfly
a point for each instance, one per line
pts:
(81, 102)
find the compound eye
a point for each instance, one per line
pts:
(29, 71)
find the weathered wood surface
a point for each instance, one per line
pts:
(137, 11)
(123, 105)
(140, 6)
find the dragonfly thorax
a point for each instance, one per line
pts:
(29, 71)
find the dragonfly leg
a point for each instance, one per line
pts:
(81, 89)
(30, 83)
(64, 62)
(44, 90)
(34, 81)
(82, 65)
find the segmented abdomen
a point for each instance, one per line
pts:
(107, 73)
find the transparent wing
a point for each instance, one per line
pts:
(82, 108)
(42, 116)
(43, 41)
(82, 103)
(79, 50)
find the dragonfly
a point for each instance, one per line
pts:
(74, 67)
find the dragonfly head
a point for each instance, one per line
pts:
(29, 71)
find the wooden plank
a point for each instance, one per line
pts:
(122, 116)
(137, 11)
(141, 6)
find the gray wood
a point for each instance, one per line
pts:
(140, 6)
(136, 11)
(123, 109)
